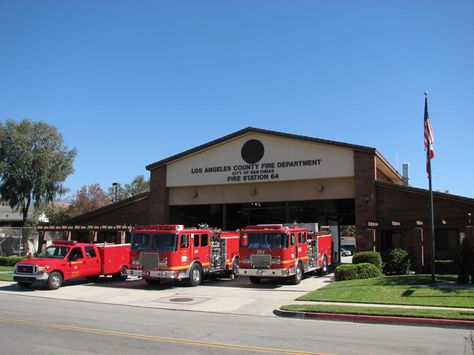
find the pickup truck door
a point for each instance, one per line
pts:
(75, 264)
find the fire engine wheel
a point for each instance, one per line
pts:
(55, 280)
(234, 273)
(298, 276)
(324, 267)
(255, 279)
(24, 284)
(195, 275)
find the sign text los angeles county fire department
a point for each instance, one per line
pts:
(255, 172)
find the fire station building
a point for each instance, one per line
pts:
(258, 176)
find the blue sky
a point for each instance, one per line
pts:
(129, 83)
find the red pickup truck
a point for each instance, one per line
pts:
(67, 259)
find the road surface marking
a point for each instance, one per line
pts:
(153, 337)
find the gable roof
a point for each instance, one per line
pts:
(107, 208)
(248, 130)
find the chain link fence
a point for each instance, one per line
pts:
(18, 241)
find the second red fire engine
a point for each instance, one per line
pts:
(276, 250)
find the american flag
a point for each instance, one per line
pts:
(429, 138)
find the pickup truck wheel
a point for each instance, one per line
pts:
(298, 276)
(122, 274)
(24, 284)
(195, 275)
(55, 280)
(255, 279)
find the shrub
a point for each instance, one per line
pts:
(397, 262)
(346, 272)
(10, 260)
(356, 271)
(367, 271)
(371, 257)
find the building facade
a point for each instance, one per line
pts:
(259, 176)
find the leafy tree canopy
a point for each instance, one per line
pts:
(137, 186)
(34, 162)
(87, 199)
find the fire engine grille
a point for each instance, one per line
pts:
(149, 260)
(261, 261)
(25, 269)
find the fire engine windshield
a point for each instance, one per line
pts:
(267, 240)
(141, 241)
(164, 242)
(56, 252)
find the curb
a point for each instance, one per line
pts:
(356, 318)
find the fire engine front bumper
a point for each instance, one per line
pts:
(267, 272)
(150, 274)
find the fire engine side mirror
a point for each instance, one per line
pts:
(244, 240)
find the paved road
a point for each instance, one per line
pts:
(220, 317)
(37, 325)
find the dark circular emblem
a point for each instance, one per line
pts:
(252, 151)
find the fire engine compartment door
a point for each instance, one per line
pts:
(184, 249)
(200, 243)
(302, 244)
(293, 245)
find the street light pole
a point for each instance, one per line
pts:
(115, 186)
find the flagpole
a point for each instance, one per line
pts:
(432, 228)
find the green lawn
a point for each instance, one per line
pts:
(404, 290)
(379, 311)
(6, 276)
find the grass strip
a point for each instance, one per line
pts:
(403, 290)
(382, 311)
(6, 273)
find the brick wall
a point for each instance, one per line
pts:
(365, 197)
(158, 211)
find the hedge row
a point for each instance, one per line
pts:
(10, 260)
(356, 271)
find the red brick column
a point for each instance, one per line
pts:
(158, 208)
(365, 201)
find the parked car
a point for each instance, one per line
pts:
(345, 252)
(350, 248)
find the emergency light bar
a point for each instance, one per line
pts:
(267, 226)
(177, 227)
(65, 242)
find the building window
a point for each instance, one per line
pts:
(447, 239)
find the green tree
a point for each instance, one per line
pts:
(34, 162)
(137, 186)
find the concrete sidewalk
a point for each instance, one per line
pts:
(218, 296)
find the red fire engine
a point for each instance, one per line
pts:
(173, 252)
(275, 250)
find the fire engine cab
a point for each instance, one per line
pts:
(175, 252)
(276, 250)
